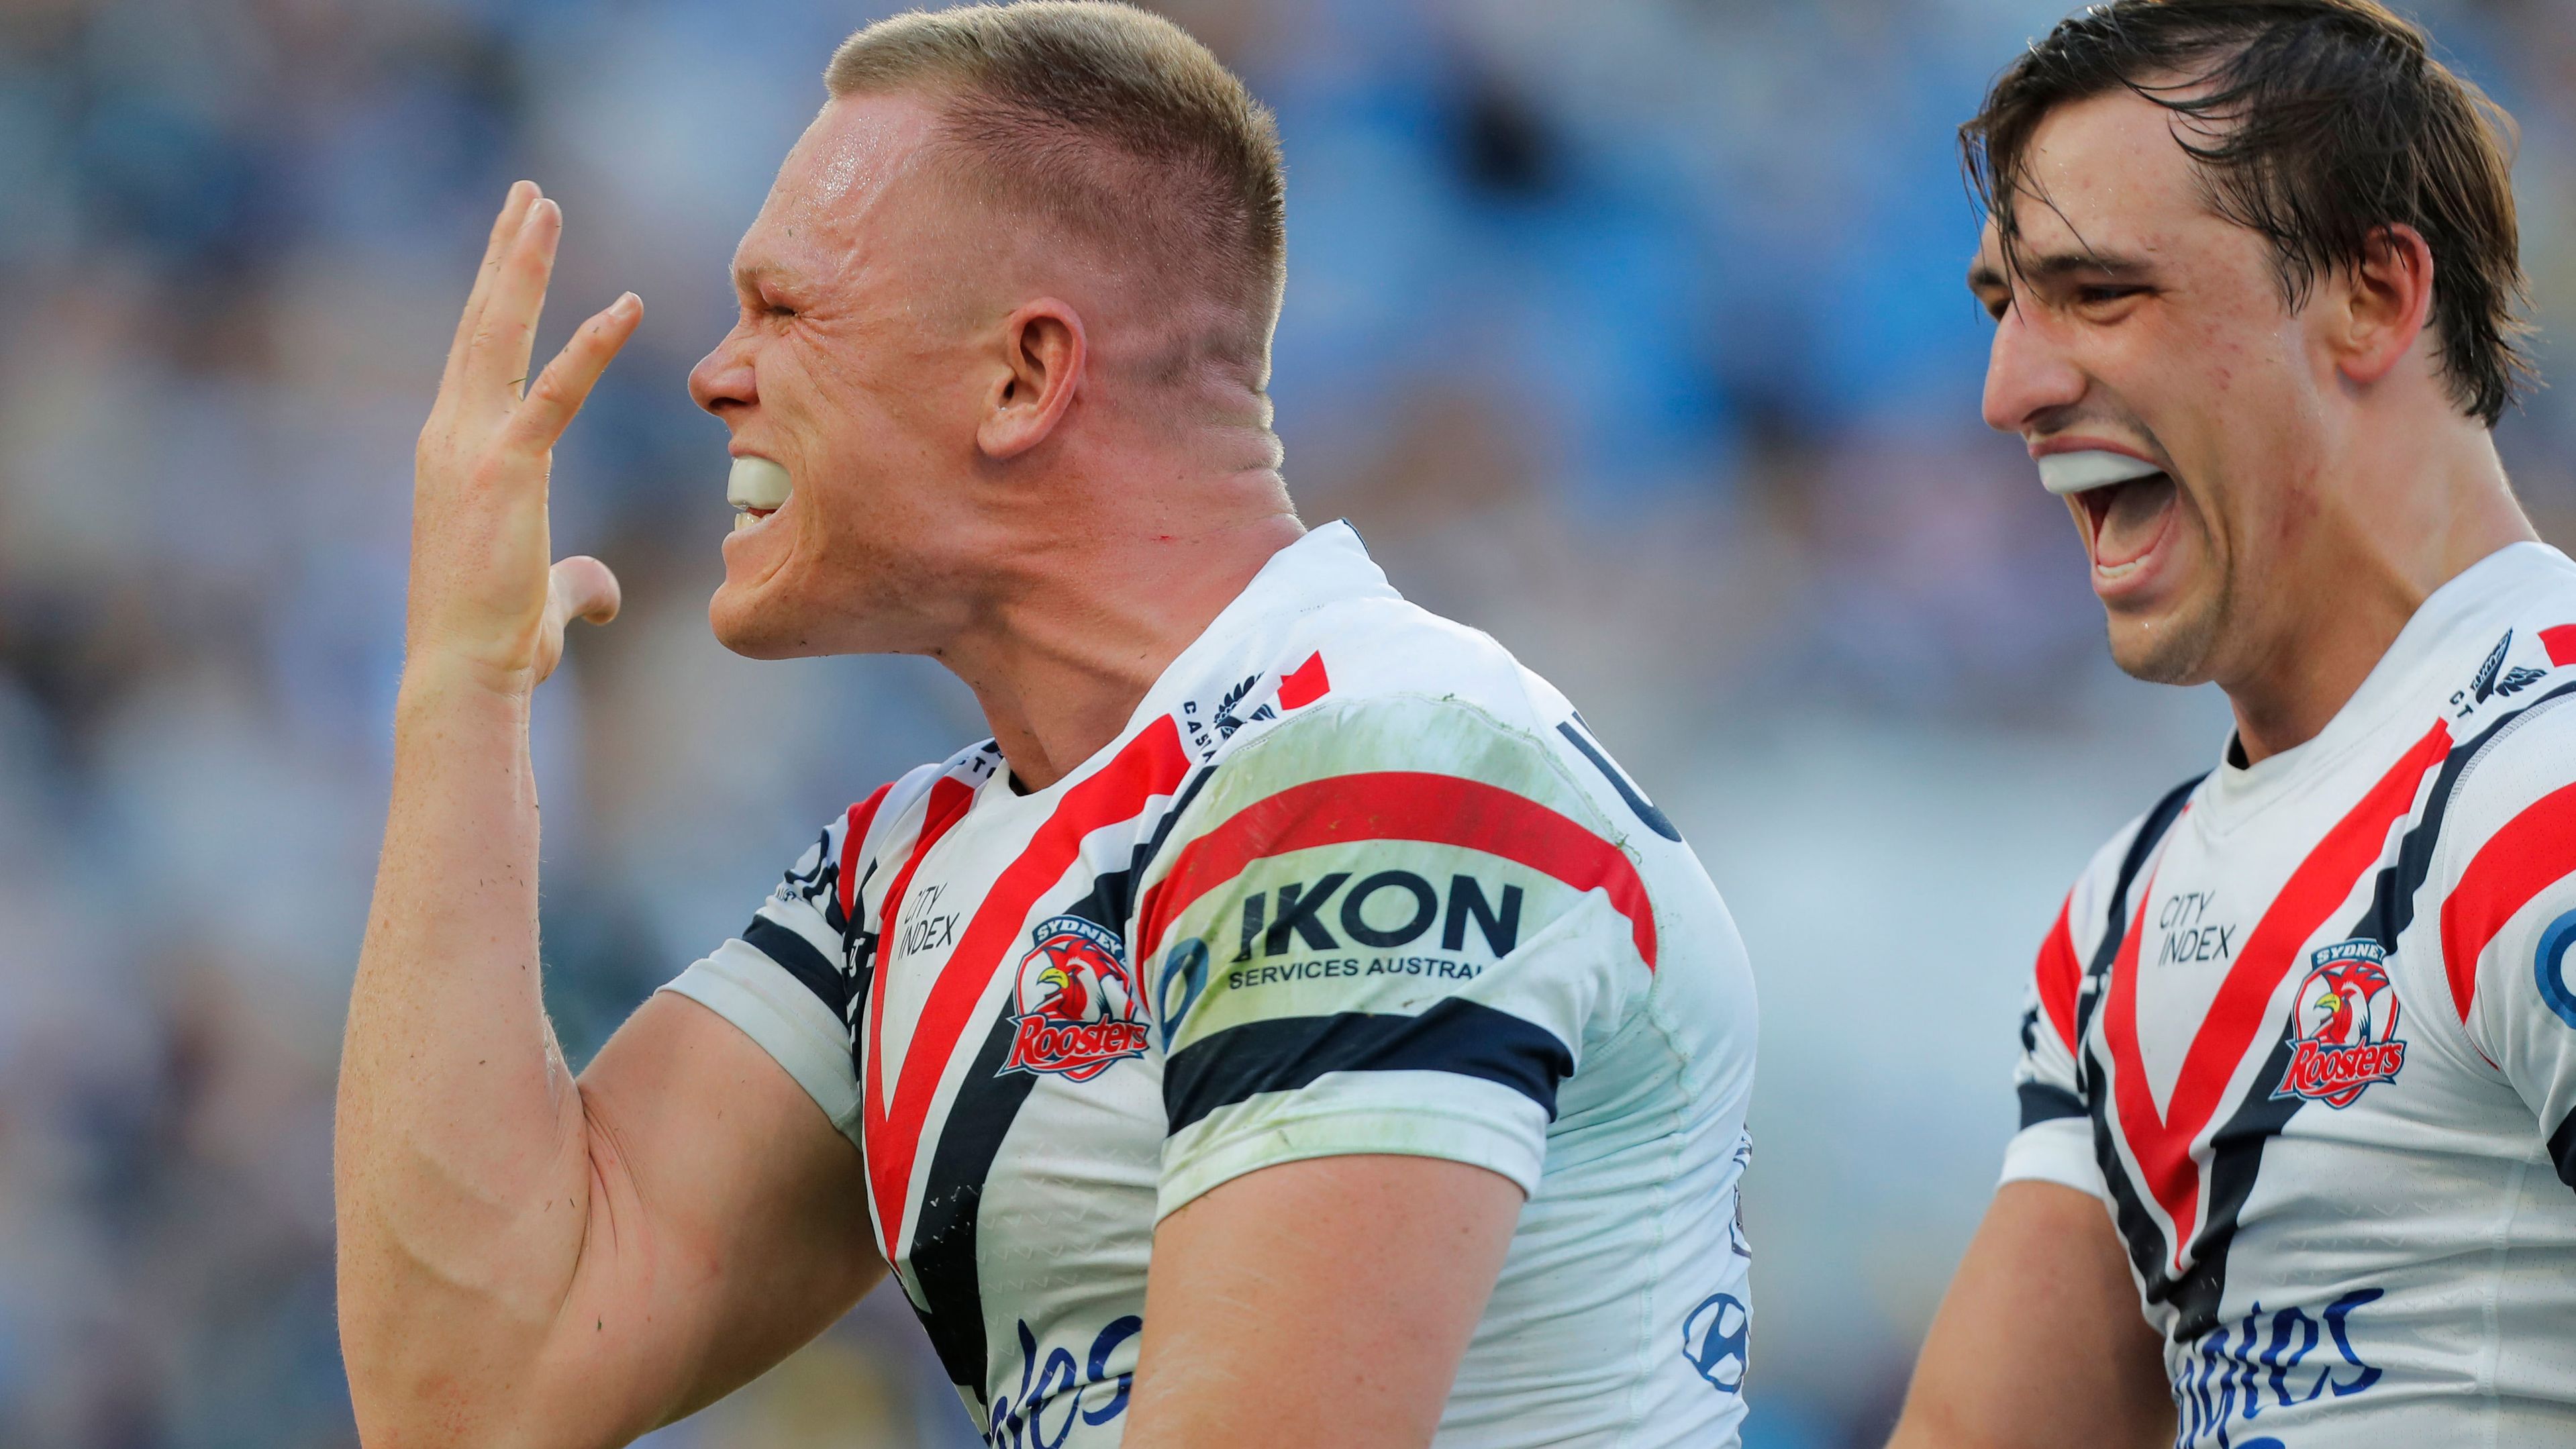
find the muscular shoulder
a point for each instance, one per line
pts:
(1381, 691)
(2515, 760)
(2508, 823)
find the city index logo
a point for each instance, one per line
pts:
(1388, 909)
(1078, 1006)
(2343, 1026)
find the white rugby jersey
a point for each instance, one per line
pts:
(2307, 1028)
(1350, 881)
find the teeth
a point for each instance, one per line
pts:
(757, 483)
(2065, 473)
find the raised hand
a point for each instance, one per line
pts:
(485, 606)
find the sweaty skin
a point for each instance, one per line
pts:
(2317, 482)
(1008, 450)
(2311, 456)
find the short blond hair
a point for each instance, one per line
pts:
(1111, 121)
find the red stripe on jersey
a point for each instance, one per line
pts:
(854, 835)
(2059, 972)
(1152, 764)
(949, 798)
(2162, 1142)
(1304, 684)
(1402, 805)
(2560, 642)
(2535, 850)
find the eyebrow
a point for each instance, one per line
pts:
(2059, 265)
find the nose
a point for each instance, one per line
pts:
(2027, 374)
(724, 379)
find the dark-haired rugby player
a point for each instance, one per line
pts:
(1283, 938)
(2297, 1165)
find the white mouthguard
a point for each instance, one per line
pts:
(756, 483)
(2065, 473)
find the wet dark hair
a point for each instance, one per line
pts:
(2316, 123)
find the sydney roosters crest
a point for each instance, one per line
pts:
(2343, 1026)
(1077, 1005)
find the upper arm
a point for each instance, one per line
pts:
(1325, 1301)
(727, 1225)
(2039, 1343)
(728, 1220)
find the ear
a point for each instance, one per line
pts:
(1043, 352)
(2386, 303)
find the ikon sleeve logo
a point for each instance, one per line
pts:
(1388, 909)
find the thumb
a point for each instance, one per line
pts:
(583, 588)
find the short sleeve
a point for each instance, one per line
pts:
(2507, 872)
(788, 981)
(2054, 1142)
(1392, 926)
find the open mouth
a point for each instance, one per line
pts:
(756, 488)
(2126, 520)
(2126, 503)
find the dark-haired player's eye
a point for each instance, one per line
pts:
(2097, 296)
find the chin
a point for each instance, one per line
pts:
(2169, 646)
(755, 628)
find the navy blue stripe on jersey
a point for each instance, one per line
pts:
(2562, 1150)
(2150, 831)
(944, 1231)
(2392, 902)
(1467, 1038)
(798, 956)
(2041, 1102)
(2128, 1211)
(1113, 894)
(1644, 809)
(2236, 1159)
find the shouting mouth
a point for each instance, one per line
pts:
(756, 488)
(2126, 505)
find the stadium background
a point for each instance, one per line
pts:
(1631, 332)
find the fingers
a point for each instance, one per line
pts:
(559, 393)
(505, 229)
(496, 356)
(586, 588)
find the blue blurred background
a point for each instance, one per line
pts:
(1629, 331)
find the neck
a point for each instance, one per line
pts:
(1097, 607)
(2398, 516)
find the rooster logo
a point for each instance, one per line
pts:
(1077, 1009)
(2343, 1026)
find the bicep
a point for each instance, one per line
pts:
(2039, 1341)
(1325, 1301)
(728, 1222)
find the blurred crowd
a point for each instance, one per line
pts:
(1631, 332)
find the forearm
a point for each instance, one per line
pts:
(462, 1171)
